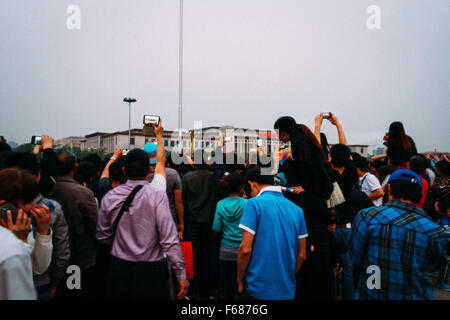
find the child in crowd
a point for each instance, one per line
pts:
(227, 218)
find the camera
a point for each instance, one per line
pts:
(326, 115)
(150, 120)
(125, 152)
(36, 140)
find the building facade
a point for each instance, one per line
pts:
(72, 142)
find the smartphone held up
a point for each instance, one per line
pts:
(36, 140)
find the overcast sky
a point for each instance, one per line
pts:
(246, 63)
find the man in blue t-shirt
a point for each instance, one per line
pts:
(273, 246)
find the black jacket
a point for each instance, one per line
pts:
(48, 171)
(314, 173)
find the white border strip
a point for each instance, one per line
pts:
(247, 229)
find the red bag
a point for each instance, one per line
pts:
(186, 247)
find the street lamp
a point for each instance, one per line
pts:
(129, 100)
(180, 77)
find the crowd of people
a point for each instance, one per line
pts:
(328, 223)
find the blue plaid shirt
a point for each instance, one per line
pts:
(404, 243)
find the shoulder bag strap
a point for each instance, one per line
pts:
(126, 205)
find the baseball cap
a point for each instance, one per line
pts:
(406, 175)
(150, 149)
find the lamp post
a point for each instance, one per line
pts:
(180, 84)
(129, 100)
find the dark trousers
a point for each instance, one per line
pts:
(138, 280)
(314, 279)
(228, 284)
(87, 291)
(200, 233)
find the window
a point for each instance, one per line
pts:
(132, 141)
(166, 143)
(172, 143)
(362, 150)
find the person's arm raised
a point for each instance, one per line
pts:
(117, 154)
(318, 126)
(341, 135)
(160, 156)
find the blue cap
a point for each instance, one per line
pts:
(150, 149)
(406, 175)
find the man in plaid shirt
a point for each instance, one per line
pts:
(399, 239)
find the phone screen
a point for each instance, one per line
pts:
(151, 120)
(36, 140)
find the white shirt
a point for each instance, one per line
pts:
(159, 182)
(16, 278)
(40, 249)
(271, 188)
(370, 183)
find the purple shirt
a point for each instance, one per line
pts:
(145, 231)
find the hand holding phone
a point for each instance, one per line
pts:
(326, 115)
(19, 225)
(42, 216)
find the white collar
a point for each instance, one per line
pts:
(270, 188)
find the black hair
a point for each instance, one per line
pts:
(418, 164)
(377, 164)
(406, 190)
(285, 124)
(398, 137)
(85, 172)
(444, 167)
(362, 164)
(324, 144)
(65, 162)
(116, 172)
(22, 160)
(237, 165)
(355, 156)
(4, 147)
(136, 164)
(104, 163)
(254, 175)
(231, 183)
(95, 160)
(340, 154)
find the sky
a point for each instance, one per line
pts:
(246, 63)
